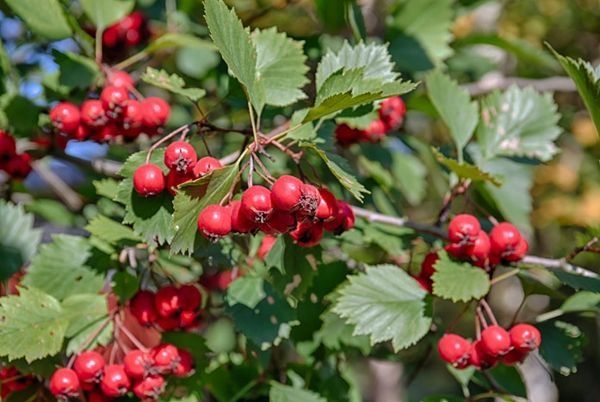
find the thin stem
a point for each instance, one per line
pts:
(489, 311)
(89, 340)
(586, 247)
(131, 60)
(504, 276)
(477, 329)
(253, 123)
(166, 138)
(481, 317)
(250, 171)
(459, 316)
(136, 342)
(98, 45)
(518, 310)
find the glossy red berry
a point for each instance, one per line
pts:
(257, 204)
(480, 250)
(8, 146)
(149, 388)
(518, 252)
(19, 166)
(185, 365)
(173, 179)
(156, 112)
(286, 193)
(309, 201)
(188, 319)
(427, 266)
(265, 247)
(214, 222)
(454, 349)
(463, 229)
(93, 113)
(65, 117)
(479, 358)
(119, 79)
(495, 340)
(148, 180)
(137, 364)
(515, 356)
(89, 366)
(114, 100)
(240, 223)
(97, 396)
(307, 233)
(165, 357)
(115, 382)
(343, 221)
(132, 116)
(328, 206)
(424, 283)
(143, 309)
(180, 156)
(190, 297)
(168, 323)
(279, 222)
(206, 165)
(525, 337)
(64, 383)
(168, 301)
(504, 237)
(375, 131)
(392, 111)
(346, 135)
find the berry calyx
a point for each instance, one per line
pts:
(518, 252)
(286, 193)
(309, 201)
(65, 117)
(148, 180)
(150, 387)
(143, 309)
(115, 382)
(504, 237)
(525, 337)
(64, 383)
(113, 100)
(454, 349)
(93, 113)
(137, 364)
(89, 366)
(167, 301)
(165, 357)
(205, 165)
(214, 222)
(156, 112)
(181, 157)
(257, 204)
(463, 229)
(495, 340)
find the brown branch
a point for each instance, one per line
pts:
(589, 246)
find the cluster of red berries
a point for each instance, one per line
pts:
(291, 206)
(391, 116)
(11, 380)
(184, 165)
(127, 32)
(116, 114)
(16, 165)
(495, 345)
(170, 308)
(142, 372)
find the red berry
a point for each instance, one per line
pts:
(64, 383)
(148, 180)
(181, 157)
(111, 36)
(343, 221)
(93, 113)
(114, 100)
(525, 337)
(88, 366)
(518, 252)
(106, 133)
(185, 366)
(495, 340)
(156, 112)
(174, 179)
(143, 309)
(424, 283)
(328, 206)
(206, 165)
(239, 221)
(346, 135)
(19, 166)
(515, 356)
(279, 222)
(454, 349)
(307, 233)
(82, 133)
(392, 111)
(479, 358)
(309, 201)
(149, 388)
(257, 204)
(286, 193)
(97, 396)
(115, 382)
(119, 79)
(463, 229)
(8, 146)
(137, 364)
(65, 117)
(480, 250)
(427, 266)
(375, 131)
(266, 245)
(165, 357)
(167, 301)
(132, 116)
(214, 222)
(190, 297)
(504, 237)
(457, 250)
(188, 319)
(168, 323)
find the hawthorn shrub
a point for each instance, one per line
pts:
(256, 216)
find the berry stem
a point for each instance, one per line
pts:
(481, 317)
(136, 342)
(504, 276)
(89, 340)
(477, 329)
(489, 311)
(167, 137)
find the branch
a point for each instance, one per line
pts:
(58, 186)
(559, 264)
(494, 81)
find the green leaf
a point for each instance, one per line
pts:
(33, 325)
(220, 336)
(422, 42)
(247, 290)
(578, 282)
(89, 323)
(106, 12)
(280, 66)
(459, 281)
(18, 239)
(125, 285)
(465, 170)
(582, 301)
(373, 58)
(151, 216)
(409, 175)
(44, 17)
(562, 345)
(336, 334)
(507, 377)
(336, 165)
(236, 48)
(192, 199)
(387, 304)
(106, 187)
(52, 211)
(285, 393)
(60, 269)
(454, 106)
(22, 115)
(172, 83)
(587, 81)
(172, 40)
(111, 232)
(518, 122)
(76, 71)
